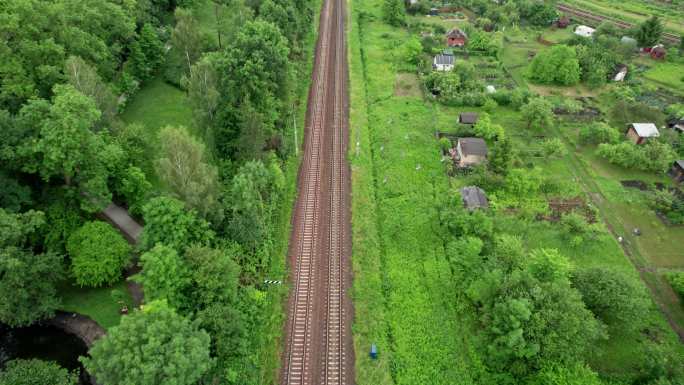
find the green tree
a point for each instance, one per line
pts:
(556, 65)
(98, 254)
(147, 52)
(203, 93)
(186, 40)
(149, 347)
(164, 276)
(214, 273)
(538, 113)
(28, 285)
(553, 148)
(393, 12)
(612, 296)
(169, 223)
(184, 169)
(649, 32)
(253, 189)
(134, 187)
(484, 128)
(36, 372)
(502, 154)
(86, 80)
(598, 132)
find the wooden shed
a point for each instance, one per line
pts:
(638, 133)
(677, 170)
(471, 151)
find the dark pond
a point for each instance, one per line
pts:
(43, 342)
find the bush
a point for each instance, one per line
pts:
(444, 144)
(557, 65)
(652, 156)
(598, 133)
(676, 279)
(36, 372)
(98, 254)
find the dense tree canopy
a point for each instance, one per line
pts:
(649, 32)
(36, 372)
(149, 347)
(556, 65)
(98, 254)
(169, 223)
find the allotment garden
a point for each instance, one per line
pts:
(517, 207)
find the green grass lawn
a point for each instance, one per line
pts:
(670, 75)
(96, 303)
(159, 104)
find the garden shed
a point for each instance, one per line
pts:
(457, 38)
(563, 22)
(443, 62)
(658, 52)
(640, 132)
(584, 31)
(469, 118)
(474, 198)
(676, 124)
(677, 170)
(471, 151)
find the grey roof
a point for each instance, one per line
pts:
(628, 40)
(444, 59)
(474, 197)
(473, 146)
(645, 130)
(680, 163)
(468, 117)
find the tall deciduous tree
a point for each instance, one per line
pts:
(203, 92)
(86, 80)
(169, 223)
(184, 169)
(557, 65)
(150, 347)
(98, 254)
(393, 12)
(164, 276)
(538, 113)
(28, 285)
(186, 39)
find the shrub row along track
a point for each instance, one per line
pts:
(318, 347)
(594, 20)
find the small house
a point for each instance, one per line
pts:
(620, 73)
(676, 124)
(468, 118)
(474, 198)
(456, 38)
(677, 171)
(640, 132)
(471, 151)
(584, 31)
(658, 52)
(433, 12)
(443, 62)
(563, 22)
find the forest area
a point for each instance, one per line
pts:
(209, 173)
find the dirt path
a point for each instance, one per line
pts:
(318, 342)
(131, 230)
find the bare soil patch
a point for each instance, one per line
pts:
(407, 84)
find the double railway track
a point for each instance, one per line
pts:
(595, 19)
(318, 347)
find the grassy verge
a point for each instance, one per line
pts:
(96, 303)
(402, 280)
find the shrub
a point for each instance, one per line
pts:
(676, 279)
(36, 372)
(597, 133)
(98, 254)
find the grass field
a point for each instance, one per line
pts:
(159, 104)
(96, 303)
(401, 274)
(670, 75)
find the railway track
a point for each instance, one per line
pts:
(595, 19)
(318, 346)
